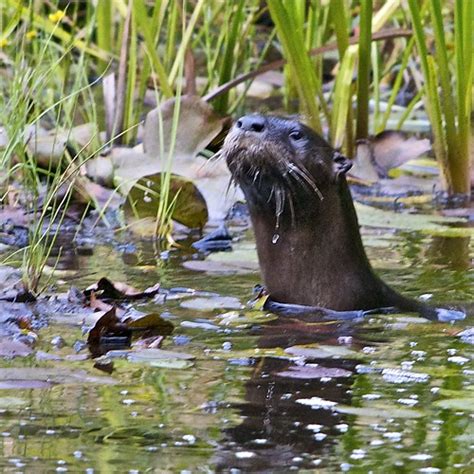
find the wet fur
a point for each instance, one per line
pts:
(308, 241)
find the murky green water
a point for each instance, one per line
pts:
(401, 388)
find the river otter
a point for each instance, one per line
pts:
(308, 241)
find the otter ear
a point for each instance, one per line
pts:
(341, 164)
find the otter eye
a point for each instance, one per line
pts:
(296, 135)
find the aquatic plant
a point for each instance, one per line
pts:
(145, 52)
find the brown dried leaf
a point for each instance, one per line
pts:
(106, 289)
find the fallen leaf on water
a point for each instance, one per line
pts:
(313, 372)
(156, 358)
(41, 377)
(153, 342)
(143, 201)
(8, 403)
(198, 126)
(112, 330)
(10, 349)
(240, 320)
(104, 364)
(107, 326)
(320, 352)
(106, 289)
(457, 404)
(209, 304)
(425, 223)
(155, 354)
(161, 358)
(150, 321)
(390, 149)
(379, 412)
(98, 304)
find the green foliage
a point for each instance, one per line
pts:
(53, 61)
(289, 29)
(450, 111)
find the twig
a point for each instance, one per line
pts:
(379, 36)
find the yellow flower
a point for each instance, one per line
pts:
(31, 34)
(3, 42)
(56, 17)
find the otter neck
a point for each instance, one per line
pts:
(318, 243)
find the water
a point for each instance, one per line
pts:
(253, 399)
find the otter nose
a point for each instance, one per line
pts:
(251, 123)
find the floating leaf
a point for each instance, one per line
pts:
(116, 290)
(457, 404)
(109, 330)
(143, 202)
(108, 325)
(320, 352)
(10, 349)
(150, 321)
(241, 260)
(313, 372)
(8, 403)
(429, 224)
(198, 126)
(209, 304)
(375, 412)
(40, 377)
(161, 358)
(239, 319)
(212, 267)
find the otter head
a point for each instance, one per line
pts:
(267, 153)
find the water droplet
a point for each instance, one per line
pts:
(275, 238)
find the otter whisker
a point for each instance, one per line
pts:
(231, 182)
(293, 174)
(255, 176)
(303, 173)
(216, 156)
(279, 205)
(252, 170)
(292, 209)
(271, 193)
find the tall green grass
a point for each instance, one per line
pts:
(36, 92)
(52, 58)
(450, 73)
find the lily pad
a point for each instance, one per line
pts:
(108, 289)
(374, 412)
(457, 404)
(143, 202)
(198, 126)
(428, 224)
(241, 260)
(387, 150)
(12, 402)
(40, 377)
(161, 358)
(212, 267)
(313, 372)
(10, 349)
(210, 304)
(239, 320)
(320, 352)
